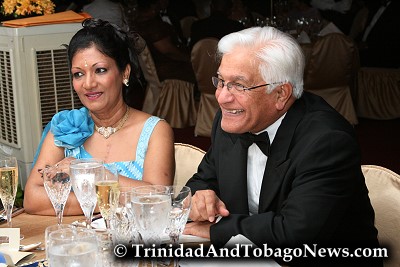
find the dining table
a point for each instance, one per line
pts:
(32, 228)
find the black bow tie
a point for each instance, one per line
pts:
(261, 140)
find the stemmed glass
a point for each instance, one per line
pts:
(181, 199)
(104, 186)
(83, 174)
(122, 221)
(8, 184)
(57, 183)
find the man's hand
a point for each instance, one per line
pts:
(201, 229)
(206, 206)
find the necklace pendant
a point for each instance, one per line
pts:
(106, 131)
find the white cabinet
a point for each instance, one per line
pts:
(35, 83)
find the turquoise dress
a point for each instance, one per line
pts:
(72, 128)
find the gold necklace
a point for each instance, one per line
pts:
(108, 131)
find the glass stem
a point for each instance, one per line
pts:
(59, 214)
(9, 209)
(107, 222)
(89, 222)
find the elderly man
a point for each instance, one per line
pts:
(307, 186)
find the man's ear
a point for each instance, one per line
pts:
(283, 95)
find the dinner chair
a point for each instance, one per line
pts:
(377, 94)
(359, 23)
(205, 66)
(384, 192)
(171, 99)
(187, 159)
(331, 71)
(186, 26)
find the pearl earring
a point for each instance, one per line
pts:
(126, 82)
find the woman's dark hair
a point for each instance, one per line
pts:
(113, 42)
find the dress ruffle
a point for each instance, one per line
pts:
(72, 127)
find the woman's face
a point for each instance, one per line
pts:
(97, 79)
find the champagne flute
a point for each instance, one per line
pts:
(104, 186)
(105, 200)
(57, 183)
(8, 184)
(83, 174)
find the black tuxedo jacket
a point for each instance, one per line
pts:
(313, 190)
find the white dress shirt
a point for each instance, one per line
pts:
(256, 162)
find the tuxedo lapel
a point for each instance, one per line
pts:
(278, 161)
(233, 174)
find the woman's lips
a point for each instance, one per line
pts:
(93, 96)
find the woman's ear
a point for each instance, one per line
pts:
(127, 72)
(283, 95)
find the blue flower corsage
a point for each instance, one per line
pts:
(71, 127)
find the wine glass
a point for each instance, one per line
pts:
(104, 186)
(122, 221)
(181, 199)
(57, 183)
(83, 174)
(151, 205)
(8, 184)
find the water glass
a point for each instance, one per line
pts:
(8, 184)
(52, 228)
(151, 205)
(75, 247)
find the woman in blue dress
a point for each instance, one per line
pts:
(103, 66)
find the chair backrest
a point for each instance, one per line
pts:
(359, 23)
(204, 63)
(384, 192)
(154, 86)
(186, 25)
(333, 62)
(187, 158)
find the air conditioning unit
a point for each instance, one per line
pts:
(35, 83)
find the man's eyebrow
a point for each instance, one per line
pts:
(236, 77)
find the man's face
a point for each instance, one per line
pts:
(244, 111)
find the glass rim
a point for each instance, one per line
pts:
(82, 163)
(5, 159)
(158, 189)
(77, 234)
